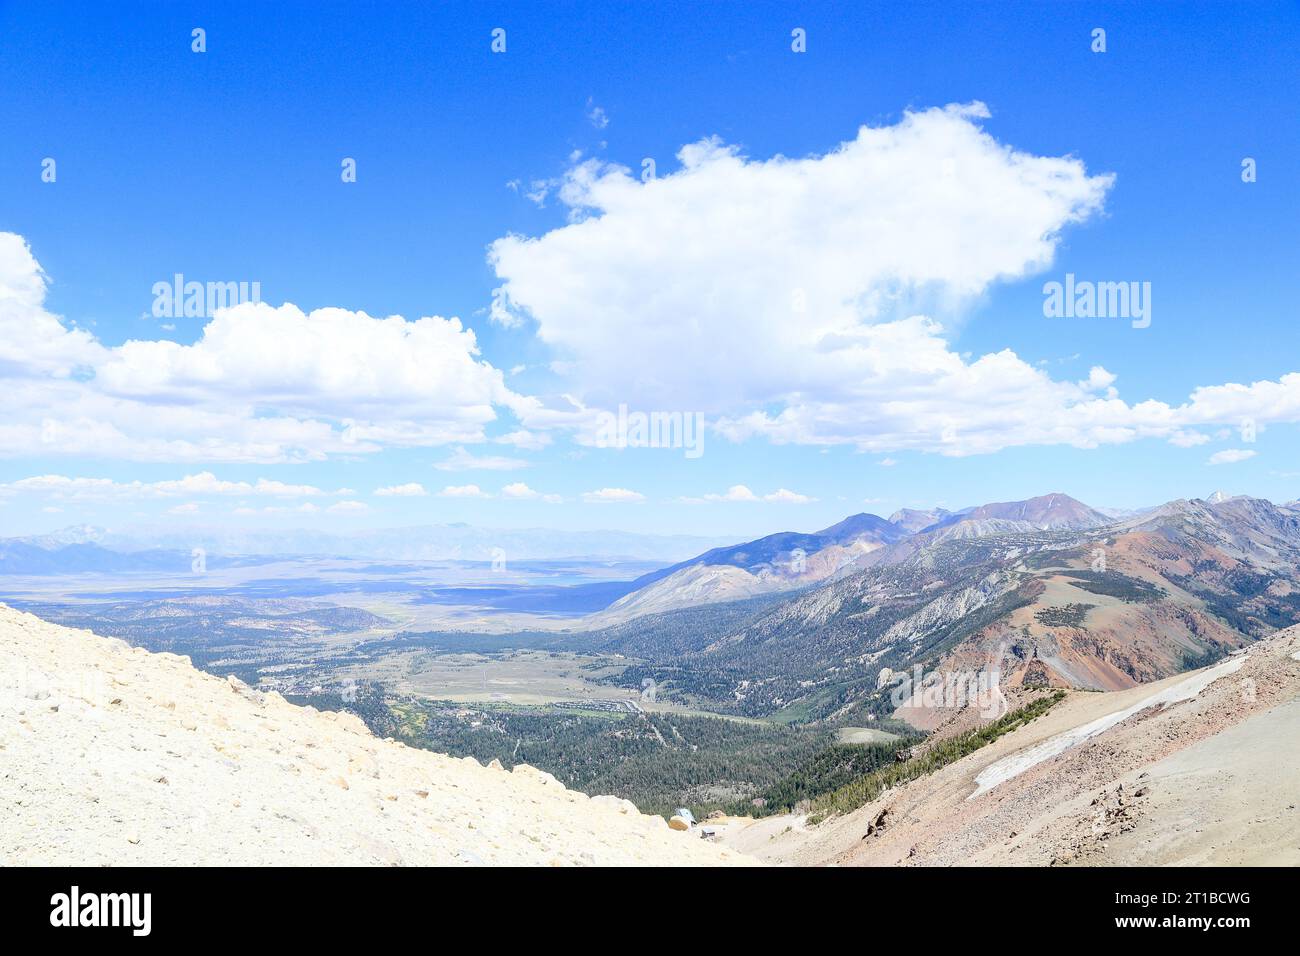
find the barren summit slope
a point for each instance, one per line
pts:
(113, 755)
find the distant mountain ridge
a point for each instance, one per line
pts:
(1044, 512)
(774, 548)
(20, 557)
(775, 562)
(447, 542)
(1132, 600)
(790, 560)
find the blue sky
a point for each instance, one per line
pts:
(225, 166)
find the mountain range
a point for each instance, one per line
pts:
(790, 560)
(1046, 592)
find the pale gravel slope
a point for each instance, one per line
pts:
(112, 755)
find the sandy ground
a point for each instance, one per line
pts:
(1232, 799)
(110, 755)
(1208, 780)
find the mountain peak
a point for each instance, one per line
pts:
(1055, 510)
(912, 520)
(842, 532)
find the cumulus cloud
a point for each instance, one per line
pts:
(520, 491)
(787, 496)
(808, 300)
(34, 342)
(202, 483)
(812, 300)
(525, 440)
(462, 460)
(411, 489)
(739, 280)
(1230, 456)
(463, 491)
(348, 508)
(734, 493)
(261, 384)
(612, 495)
(305, 508)
(742, 493)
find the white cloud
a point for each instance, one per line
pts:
(348, 507)
(518, 490)
(331, 362)
(463, 491)
(34, 342)
(888, 462)
(462, 460)
(1230, 456)
(749, 281)
(1188, 439)
(202, 483)
(1099, 380)
(500, 313)
(802, 300)
(734, 493)
(261, 383)
(813, 300)
(189, 507)
(787, 496)
(742, 493)
(411, 489)
(305, 508)
(281, 490)
(609, 495)
(525, 440)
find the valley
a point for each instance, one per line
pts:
(844, 646)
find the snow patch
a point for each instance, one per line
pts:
(1008, 767)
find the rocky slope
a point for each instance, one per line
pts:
(1197, 769)
(111, 755)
